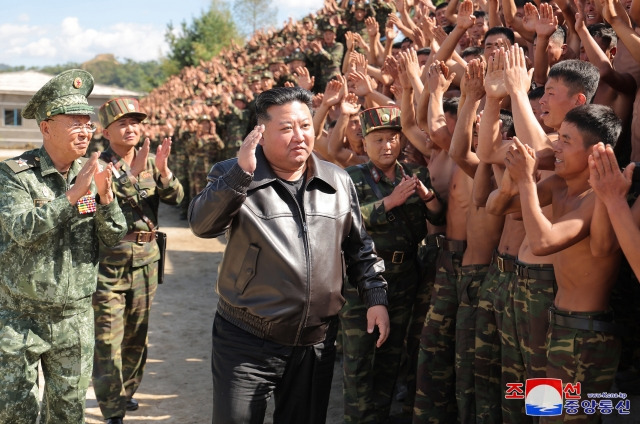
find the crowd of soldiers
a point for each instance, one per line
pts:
(347, 55)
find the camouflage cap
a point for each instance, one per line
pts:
(240, 96)
(306, 19)
(64, 94)
(253, 78)
(296, 55)
(380, 118)
(204, 117)
(360, 5)
(329, 27)
(266, 75)
(276, 60)
(122, 107)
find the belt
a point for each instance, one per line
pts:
(432, 239)
(140, 236)
(504, 263)
(580, 322)
(535, 273)
(395, 257)
(456, 246)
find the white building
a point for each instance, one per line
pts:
(16, 88)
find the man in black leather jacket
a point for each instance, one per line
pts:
(294, 234)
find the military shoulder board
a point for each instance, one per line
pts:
(22, 163)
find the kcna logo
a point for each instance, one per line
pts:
(543, 396)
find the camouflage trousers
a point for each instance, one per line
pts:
(121, 303)
(428, 256)
(523, 332)
(64, 347)
(469, 281)
(492, 297)
(370, 373)
(581, 356)
(435, 379)
(535, 291)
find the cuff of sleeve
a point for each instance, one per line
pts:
(375, 296)
(109, 208)
(238, 179)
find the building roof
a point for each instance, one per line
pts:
(28, 82)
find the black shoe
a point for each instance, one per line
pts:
(132, 404)
(115, 420)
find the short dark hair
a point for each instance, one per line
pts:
(536, 93)
(279, 96)
(507, 32)
(507, 123)
(579, 76)
(424, 51)
(471, 51)
(397, 45)
(450, 105)
(596, 123)
(605, 33)
(479, 13)
(441, 5)
(559, 36)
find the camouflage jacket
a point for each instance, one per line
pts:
(48, 250)
(147, 192)
(403, 227)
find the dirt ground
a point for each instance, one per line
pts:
(177, 384)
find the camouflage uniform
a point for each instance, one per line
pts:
(235, 123)
(469, 281)
(492, 298)
(427, 255)
(49, 257)
(181, 164)
(435, 381)
(127, 281)
(370, 373)
(525, 320)
(203, 151)
(326, 63)
(588, 357)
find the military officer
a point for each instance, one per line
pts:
(55, 206)
(128, 272)
(396, 200)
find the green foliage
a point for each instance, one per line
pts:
(251, 15)
(202, 39)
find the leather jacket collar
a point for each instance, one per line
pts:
(319, 170)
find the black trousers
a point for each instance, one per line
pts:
(247, 370)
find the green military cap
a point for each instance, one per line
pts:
(329, 28)
(217, 100)
(188, 117)
(380, 118)
(115, 109)
(253, 78)
(276, 60)
(204, 117)
(64, 94)
(306, 19)
(240, 96)
(360, 5)
(266, 75)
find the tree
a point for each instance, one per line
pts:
(251, 15)
(201, 40)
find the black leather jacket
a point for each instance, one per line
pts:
(282, 273)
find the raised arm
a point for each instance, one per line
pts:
(439, 80)
(473, 90)
(545, 27)
(333, 94)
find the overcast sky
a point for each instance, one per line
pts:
(41, 33)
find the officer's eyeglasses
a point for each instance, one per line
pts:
(76, 127)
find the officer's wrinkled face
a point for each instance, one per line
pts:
(66, 136)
